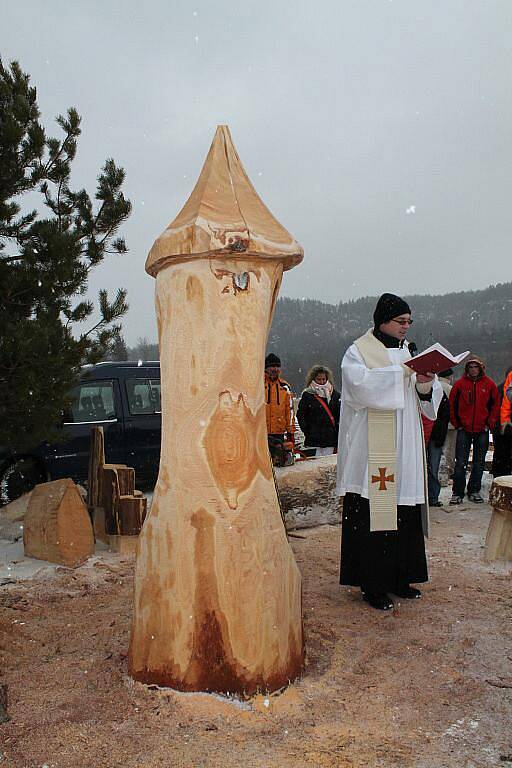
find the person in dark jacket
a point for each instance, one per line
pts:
(502, 440)
(437, 440)
(318, 413)
(474, 410)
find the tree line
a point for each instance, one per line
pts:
(307, 331)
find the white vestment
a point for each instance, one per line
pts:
(382, 389)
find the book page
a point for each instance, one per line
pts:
(436, 347)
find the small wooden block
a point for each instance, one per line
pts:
(57, 525)
(125, 477)
(98, 517)
(131, 514)
(124, 545)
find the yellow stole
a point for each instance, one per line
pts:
(382, 449)
(381, 445)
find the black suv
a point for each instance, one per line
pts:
(124, 399)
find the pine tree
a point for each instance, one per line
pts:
(118, 349)
(45, 262)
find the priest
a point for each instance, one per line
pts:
(381, 460)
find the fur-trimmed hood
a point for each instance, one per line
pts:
(474, 359)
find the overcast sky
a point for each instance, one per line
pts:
(377, 131)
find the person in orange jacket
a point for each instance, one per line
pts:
(502, 434)
(506, 406)
(279, 404)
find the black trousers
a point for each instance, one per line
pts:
(381, 561)
(502, 454)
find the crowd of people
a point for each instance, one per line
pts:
(391, 428)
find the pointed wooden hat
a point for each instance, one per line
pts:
(223, 216)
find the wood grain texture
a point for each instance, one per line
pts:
(96, 463)
(498, 542)
(124, 507)
(224, 214)
(57, 526)
(217, 590)
(307, 491)
(123, 545)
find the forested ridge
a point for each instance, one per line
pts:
(307, 331)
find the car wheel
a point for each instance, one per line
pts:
(18, 478)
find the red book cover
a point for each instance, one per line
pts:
(435, 359)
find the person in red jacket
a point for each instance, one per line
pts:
(474, 410)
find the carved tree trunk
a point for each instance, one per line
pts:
(217, 589)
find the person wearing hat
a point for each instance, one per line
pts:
(474, 410)
(279, 407)
(381, 460)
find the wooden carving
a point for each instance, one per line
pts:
(217, 589)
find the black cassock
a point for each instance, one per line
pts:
(381, 561)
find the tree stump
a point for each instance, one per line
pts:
(217, 589)
(498, 542)
(307, 491)
(57, 526)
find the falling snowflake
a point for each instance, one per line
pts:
(411, 209)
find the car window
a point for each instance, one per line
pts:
(93, 401)
(156, 394)
(143, 396)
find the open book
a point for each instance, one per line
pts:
(434, 359)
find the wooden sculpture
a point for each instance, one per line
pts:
(217, 589)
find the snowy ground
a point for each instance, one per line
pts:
(426, 686)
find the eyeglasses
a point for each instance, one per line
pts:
(403, 322)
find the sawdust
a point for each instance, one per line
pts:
(409, 688)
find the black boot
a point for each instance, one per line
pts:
(379, 600)
(407, 592)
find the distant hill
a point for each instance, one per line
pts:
(305, 331)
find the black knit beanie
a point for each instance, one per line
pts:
(388, 307)
(272, 360)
